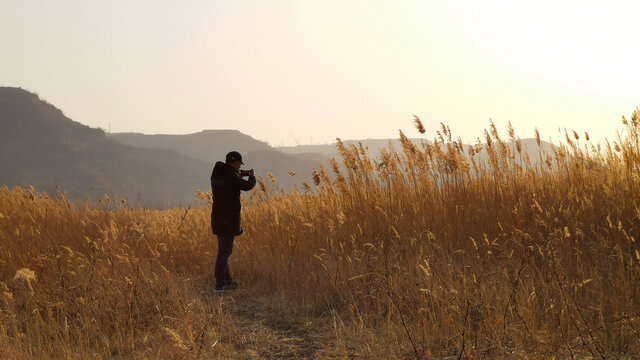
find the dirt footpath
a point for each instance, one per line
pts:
(251, 327)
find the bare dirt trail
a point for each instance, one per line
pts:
(253, 327)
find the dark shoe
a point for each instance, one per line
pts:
(222, 287)
(230, 285)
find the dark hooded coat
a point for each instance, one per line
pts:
(226, 185)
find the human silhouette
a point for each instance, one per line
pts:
(226, 183)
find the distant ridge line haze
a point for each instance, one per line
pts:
(41, 147)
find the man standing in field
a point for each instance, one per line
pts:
(226, 183)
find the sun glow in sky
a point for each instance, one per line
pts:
(291, 72)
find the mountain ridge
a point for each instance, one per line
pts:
(213, 145)
(42, 147)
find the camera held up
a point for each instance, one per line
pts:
(246, 172)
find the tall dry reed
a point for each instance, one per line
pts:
(431, 249)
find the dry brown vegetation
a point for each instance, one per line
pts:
(425, 251)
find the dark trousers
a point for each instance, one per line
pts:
(225, 248)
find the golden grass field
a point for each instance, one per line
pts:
(422, 252)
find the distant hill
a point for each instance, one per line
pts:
(40, 146)
(212, 145)
(331, 150)
(289, 170)
(207, 145)
(320, 153)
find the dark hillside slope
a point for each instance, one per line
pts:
(212, 145)
(40, 146)
(206, 145)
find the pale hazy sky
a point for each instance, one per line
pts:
(299, 71)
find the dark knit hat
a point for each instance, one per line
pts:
(233, 156)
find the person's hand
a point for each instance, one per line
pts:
(246, 173)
